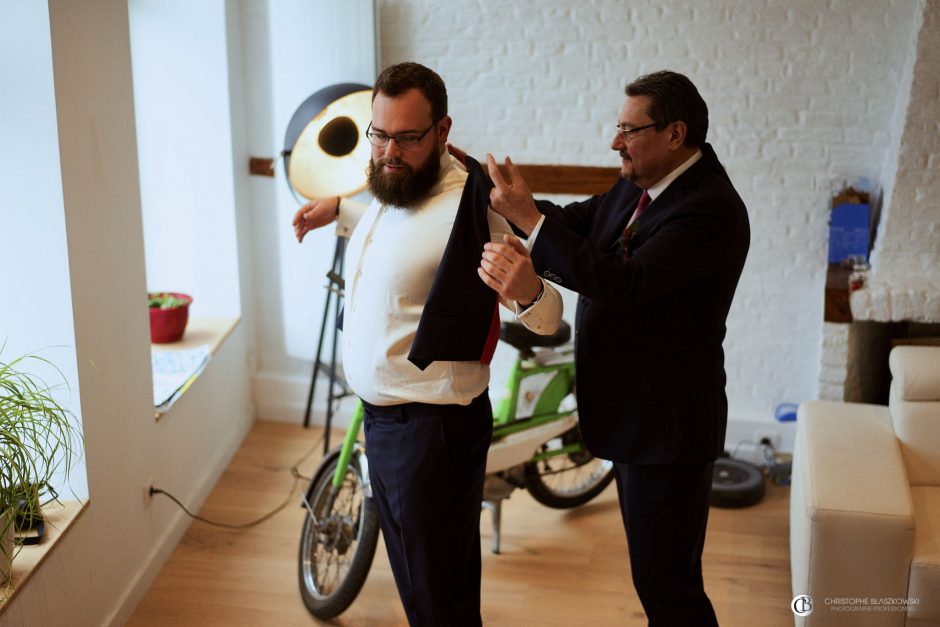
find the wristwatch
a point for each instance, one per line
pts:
(538, 296)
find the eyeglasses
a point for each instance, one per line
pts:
(627, 134)
(405, 141)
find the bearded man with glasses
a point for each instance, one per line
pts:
(420, 325)
(656, 261)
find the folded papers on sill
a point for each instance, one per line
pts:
(174, 371)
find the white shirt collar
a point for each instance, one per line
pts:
(664, 182)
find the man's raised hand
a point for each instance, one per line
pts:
(313, 215)
(507, 268)
(512, 199)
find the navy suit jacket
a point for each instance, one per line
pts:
(460, 320)
(649, 329)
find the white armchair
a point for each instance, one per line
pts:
(865, 503)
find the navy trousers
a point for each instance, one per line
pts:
(665, 512)
(426, 464)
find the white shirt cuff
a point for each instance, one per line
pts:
(543, 315)
(349, 213)
(530, 241)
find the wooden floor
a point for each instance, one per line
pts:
(565, 568)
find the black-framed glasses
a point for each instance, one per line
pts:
(627, 134)
(405, 141)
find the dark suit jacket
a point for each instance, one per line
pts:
(649, 359)
(460, 320)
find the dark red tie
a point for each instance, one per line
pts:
(630, 229)
(641, 206)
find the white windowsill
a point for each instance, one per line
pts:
(59, 518)
(199, 331)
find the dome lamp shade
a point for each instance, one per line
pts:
(325, 148)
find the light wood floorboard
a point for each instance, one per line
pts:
(564, 568)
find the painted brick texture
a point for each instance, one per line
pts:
(905, 282)
(802, 97)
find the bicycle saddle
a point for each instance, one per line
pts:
(515, 334)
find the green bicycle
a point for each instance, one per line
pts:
(536, 446)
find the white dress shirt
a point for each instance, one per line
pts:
(661, 185)
(391, 261)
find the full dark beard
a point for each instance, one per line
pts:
(405, 189)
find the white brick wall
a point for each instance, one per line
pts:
(802, 96)
(905, 281)
(835, 350)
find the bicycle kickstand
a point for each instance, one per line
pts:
(496, 511)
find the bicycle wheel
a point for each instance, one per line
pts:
(569, 480)
(338, 540)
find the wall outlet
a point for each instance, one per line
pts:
(147, 496)
(761, 435)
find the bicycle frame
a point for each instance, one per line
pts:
(547, 405)
(505, 421)
(346, 452)
(551, 396)
(544, 410)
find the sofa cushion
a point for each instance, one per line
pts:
(917, 426)
(924, 586)
(852, 450)
(917, 371)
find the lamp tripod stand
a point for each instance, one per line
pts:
(337, 387)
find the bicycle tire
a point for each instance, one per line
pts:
(579, 476)
(336, 548)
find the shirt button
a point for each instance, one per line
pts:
(359, 274)
(369, 241)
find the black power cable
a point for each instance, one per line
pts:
(295, 473)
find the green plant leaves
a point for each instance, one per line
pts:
(164, 300)
(38, 439)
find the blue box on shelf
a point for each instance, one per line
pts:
(849, 231)
(850, 223)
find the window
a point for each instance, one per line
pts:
(36, 314)
(184, 150)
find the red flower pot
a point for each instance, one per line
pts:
(168, 325)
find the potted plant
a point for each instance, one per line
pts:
(38, 439)
(169, 313)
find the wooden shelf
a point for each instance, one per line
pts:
(211, 331)
(837, 307)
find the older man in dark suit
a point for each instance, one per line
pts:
(656, 261)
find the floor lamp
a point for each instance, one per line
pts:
(325, 154)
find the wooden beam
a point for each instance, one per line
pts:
(262, 166)
(568, 179)
(542, 179)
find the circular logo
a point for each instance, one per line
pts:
(802, 605)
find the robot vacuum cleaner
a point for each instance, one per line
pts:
(736, 484)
